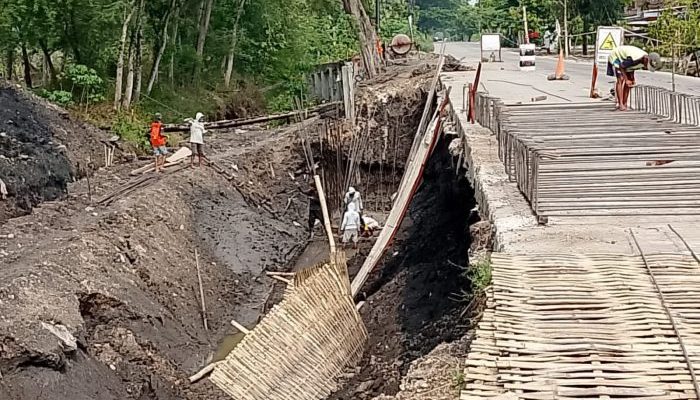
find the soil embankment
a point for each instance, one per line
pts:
(42, 149)
(102, 302)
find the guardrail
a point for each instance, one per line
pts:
(677, 107)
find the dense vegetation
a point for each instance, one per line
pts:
(678, 33)
(122, 60)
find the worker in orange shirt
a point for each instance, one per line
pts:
(158, 141)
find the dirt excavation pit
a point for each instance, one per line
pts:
(415, 300)
(101, 301)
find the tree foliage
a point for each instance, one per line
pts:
(678, 29)
(276, 42)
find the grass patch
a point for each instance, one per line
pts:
(458, 378)
(479, 273)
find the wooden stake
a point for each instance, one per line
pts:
(201, 374)
(240, 327)
(201, 291)
(279, 278)
(326, 218)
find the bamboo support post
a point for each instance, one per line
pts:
(326, 217)
(203, 372)
(201, 291)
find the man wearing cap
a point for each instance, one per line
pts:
(353, 197)
(197, 137)
(622, 63)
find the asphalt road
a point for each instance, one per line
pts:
(505, 79)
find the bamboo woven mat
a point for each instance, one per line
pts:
(302, 345)
(593, 327)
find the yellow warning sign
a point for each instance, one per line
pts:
(608, 43)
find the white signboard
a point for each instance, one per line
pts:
(490, 46)
(527, 57)
(609, 37)
(490, 42)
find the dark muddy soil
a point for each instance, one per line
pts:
(413, 301)
(121, 279)
(41, 148)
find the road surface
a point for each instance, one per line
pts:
(505, 80)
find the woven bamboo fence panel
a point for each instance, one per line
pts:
(302, 345)
(593, 327)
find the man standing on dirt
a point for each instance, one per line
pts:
(315, 212)
(622, 63)
(350, 228)
(197, 138)
(158, 141)
(353, 197)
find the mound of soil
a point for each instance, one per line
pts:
(40, 150)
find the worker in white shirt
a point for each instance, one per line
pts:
(197, 138)
(353, 197)
(350, 228)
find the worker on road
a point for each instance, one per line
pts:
(158, 142)
(350, 228)
(622, 63)
(197, 138)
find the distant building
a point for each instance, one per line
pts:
(642, 13)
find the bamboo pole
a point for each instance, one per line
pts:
(203, 372)
(240, 327)
(201, 291)
(326, 217)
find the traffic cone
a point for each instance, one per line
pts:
(559, 74)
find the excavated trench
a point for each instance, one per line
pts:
(130, 298)
(415, 298)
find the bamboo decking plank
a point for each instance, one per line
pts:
(607, 337)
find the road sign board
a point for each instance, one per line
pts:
(609, 37)
(491, 43)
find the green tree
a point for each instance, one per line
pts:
(678, 32)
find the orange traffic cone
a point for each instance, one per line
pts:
(559, 74)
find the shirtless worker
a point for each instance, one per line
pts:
(622, 63)
(158, 141)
